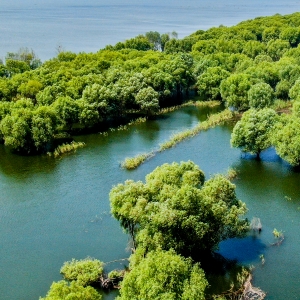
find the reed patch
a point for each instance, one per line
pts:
(66, 148)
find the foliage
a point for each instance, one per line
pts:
(131, 163)
(294, 92)
(282, 89)
(234, 90)
(84, 272)
(176, 209)
(66, 110)
(74, 291)
(16, 131)
(276, 48)
(147, 99)
(146, 73)
(164, 275)
(208, 83)
(66, 148)
(253, 132)
(260, 95)
(286, 139)
(115, 274)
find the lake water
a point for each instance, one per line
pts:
(56, 210)
(87, 26)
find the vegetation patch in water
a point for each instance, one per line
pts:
(211, 104)
(66, 148)
(131, 163)
(231, 174)
(211, 122)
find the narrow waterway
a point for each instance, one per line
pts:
(56, 210)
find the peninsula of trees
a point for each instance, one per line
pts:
(176, 216)
(254, 64)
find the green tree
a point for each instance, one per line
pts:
(16, 130)
(43, 126)
(25, 55)
(16, 66)
(164, 38)
(84, 272)
(254, 48)
(253, 132)
(5, 109)
(276, 48)
(266, 72)
(173, 46)
(48, 95)
(282, 89)
(66, 56)
(139, 43)
(270, 33)
(154, 38)
(147, 99)
(208, 83)
(176, 209)
(260, 95)
(164, 275)
(292, 35)
(67, 111)
(294, 92)
(63, 291)
(234, 90)
(30, 89)
(286, 138)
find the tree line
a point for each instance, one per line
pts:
(250, 65)
(175, 217)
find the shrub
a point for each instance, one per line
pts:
(84, 272)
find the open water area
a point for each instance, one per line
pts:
(53, 210)
(87, 26)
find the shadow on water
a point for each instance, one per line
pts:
(14, 165)
(220, 273)
(222, 267)
(243, 250)
(268, 155)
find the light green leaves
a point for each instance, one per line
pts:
(164, 275)
(253, 132)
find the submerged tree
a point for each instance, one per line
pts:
(84, 272)
(176, 209)
(253, 132)
(164, 275)
(286, 138)
(63, 291)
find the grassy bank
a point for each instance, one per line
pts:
(211, 122)
(131, 163)
(189, 103)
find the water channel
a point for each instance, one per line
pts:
(56, 210)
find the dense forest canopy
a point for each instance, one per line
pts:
(250, 65)
(175, 217)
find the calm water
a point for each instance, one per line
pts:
(55, 210)
(89, 25)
